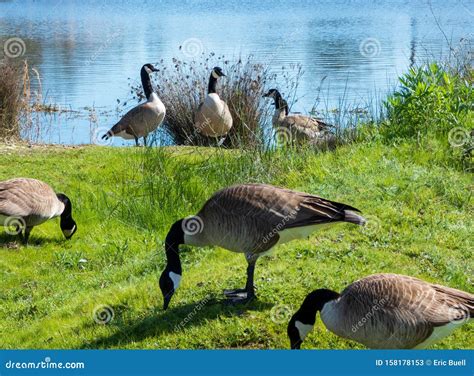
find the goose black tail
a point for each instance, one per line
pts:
(352, 217)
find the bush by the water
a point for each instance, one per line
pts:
(182, 86)
(430, 99)
(432, 102)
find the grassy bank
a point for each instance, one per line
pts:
(124, 200)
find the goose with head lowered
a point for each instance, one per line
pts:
(249, 219)
(213, 117)
(385, 311)
(25, 203)
(144, 118)
(301, 127)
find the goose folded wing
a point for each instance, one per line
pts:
(23, 197)
(305, 123)
(137, 115)
(425, 303)
(277, 206)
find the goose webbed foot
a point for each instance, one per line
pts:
(240, 298)
(234, 292)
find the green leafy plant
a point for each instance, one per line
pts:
(430, 100)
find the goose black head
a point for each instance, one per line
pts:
(171, 275)
(302, 322)
(67, 223)
(217, 72)
(272, 93)
(149, 68)
(280, 103)
(146, 81)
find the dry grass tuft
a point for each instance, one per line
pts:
(11, 101)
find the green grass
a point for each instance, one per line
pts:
(124, 200)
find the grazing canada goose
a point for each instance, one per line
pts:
(302, 128)
(213, 118)
(249, 219)
(144, 118)
(25, 203)
(385, 311)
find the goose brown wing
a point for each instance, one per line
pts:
(143, 115)
(305, 124)
(412, 301)
(23, 197)
(275, 206)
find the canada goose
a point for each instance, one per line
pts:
(249, 219)
(213, 118)
(385, 311)
(144, 118)
(25, 203)
(302, 128)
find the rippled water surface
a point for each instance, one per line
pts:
(85, 51)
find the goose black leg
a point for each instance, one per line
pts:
(248, 293)
(136, 141)
(144, 141)
(26, 235)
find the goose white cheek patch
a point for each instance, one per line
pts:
(303, 329)
(176, 278)
(69, 232)
(215, 75)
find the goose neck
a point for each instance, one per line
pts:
(146, 83)
(315, 302)
(211, 88)
(173, 240)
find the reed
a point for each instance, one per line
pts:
(11, 101)
(21, 102)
